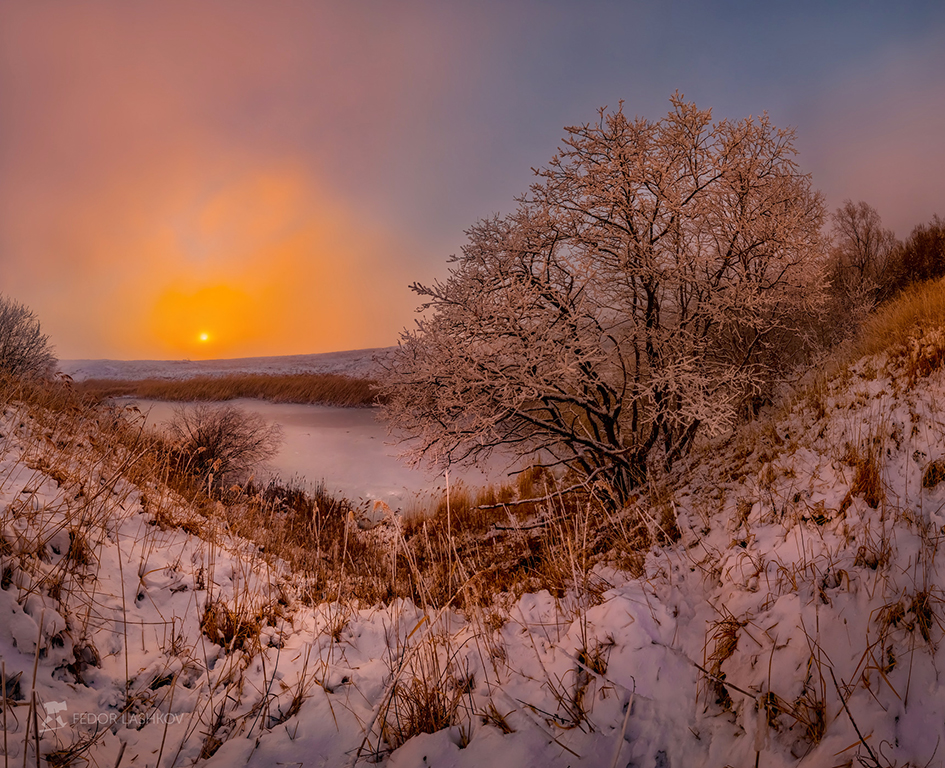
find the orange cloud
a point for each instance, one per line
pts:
(268, 264)
(158, 177)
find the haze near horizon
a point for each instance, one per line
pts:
(232, 180)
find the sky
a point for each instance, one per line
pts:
(185, 180)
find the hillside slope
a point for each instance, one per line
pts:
(797, 621)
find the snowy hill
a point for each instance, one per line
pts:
(796, 620)
(360, 363)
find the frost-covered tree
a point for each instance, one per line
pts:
(24, 349)
(863, 252)
(650, 281)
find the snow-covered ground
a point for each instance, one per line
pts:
(360, 363)
(797, 622)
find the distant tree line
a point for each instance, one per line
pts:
(868, 266)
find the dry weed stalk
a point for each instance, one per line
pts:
(724, 641)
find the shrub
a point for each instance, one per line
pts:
(222, 443)
(921, 257)
(24, 348)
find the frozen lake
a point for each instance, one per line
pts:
(348, 448)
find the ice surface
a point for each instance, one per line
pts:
(347, 448)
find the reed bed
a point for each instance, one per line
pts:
(308, 388)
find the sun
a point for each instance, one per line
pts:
(204, 337)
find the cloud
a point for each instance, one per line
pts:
(874, 132)
(160, 174)
(268, 263)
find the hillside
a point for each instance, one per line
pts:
(355, 363)
(786, 610)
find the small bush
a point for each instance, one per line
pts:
(24, 348)
(222, 443)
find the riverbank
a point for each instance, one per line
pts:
(306, 388)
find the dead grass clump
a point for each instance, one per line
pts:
(816, 394)
(316, 534)
(867, 482)
(596, 658)
(324, 388)
(75, 753)
(920, 355)
(873, 555)
(663, 514)
(867, 478)
(492, 716)
(920, 612)
(808, 712)
(465, 554)
(534, 481)
(476, 511)
(427, 702)
(724, 641)
(925, 618)
(933, 474)
(234, 628)
(80, 553)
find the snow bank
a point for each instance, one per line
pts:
(797, 622)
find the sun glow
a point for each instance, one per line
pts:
(208, 321)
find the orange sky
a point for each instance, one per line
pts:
(224, 179)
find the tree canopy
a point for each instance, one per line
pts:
(656, 275)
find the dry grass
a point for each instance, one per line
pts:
(237, 627)
(469, 549)
(324, 388)
(867, 473)
(724, 641)
(472, 549)
(920, 306)
(933, 474)
(426, 700)
(909, 330)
